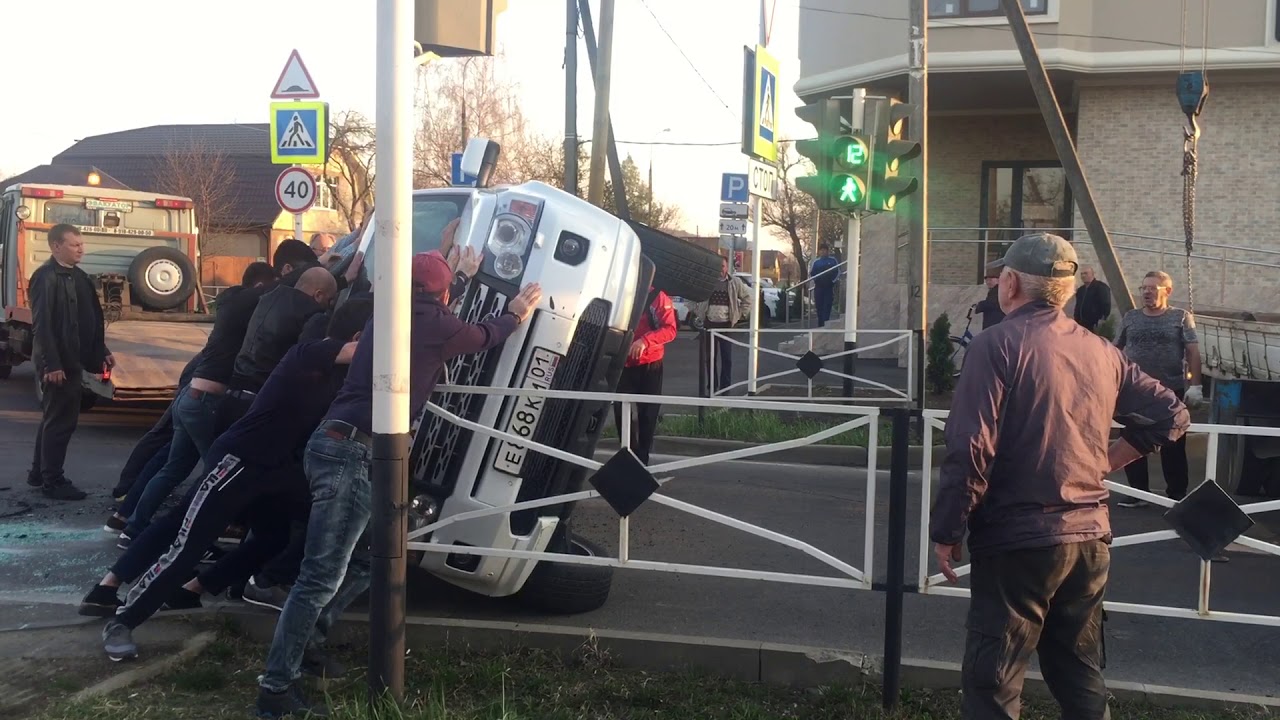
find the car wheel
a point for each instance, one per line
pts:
(565, 588)
(696, 322)
(161, 278)
(680, 267)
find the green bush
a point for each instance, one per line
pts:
(941, 369)
(1107, 328)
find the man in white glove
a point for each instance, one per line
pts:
(1161, 340)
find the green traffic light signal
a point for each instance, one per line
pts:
(851, 152)
(848, 190)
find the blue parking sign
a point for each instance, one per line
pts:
(457, 177)
(733, 188)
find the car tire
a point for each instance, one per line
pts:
(566, 588)
(161, 278)
(696, 323)
(681, 268)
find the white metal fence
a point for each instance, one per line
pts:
(850, 577)
(832, 362)
(937, 585)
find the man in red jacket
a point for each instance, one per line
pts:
(642, 374)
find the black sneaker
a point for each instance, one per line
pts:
(289, 702)
(233, 535)
(1133, 503)
(235, 593)
(272, 596)
(117, 641)
(115, 524)
(212, 555)
(319, 664)
(63, 490)
(34, 480)
(123, 541)
(183, 599)
(101, 601)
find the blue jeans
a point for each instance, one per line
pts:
(193, 433)
(335, 569)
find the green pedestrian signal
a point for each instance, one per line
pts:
(851, 191)
(851, 168)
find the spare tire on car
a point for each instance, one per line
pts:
(681, 268)
(161, 278)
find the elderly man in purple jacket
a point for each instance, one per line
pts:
(337, 464)
(1028, 449)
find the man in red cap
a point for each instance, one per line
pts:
(337, 463)
(642, 374)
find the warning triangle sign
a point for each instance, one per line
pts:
(296, 135)
(295, 81)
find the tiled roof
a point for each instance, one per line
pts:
(64, 175)
(240, 139)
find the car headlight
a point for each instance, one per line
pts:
(508, 266)
(510, 235)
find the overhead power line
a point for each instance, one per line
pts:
(685, 55)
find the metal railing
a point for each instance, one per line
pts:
(935, 584)
(879, 339)
(850, 577)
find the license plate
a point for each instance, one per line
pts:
(524, 417)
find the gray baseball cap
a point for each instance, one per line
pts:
(1042, 254)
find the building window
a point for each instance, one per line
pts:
(981, 8)
(325, 190)
(1016, 198)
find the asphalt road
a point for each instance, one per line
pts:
(50, 553)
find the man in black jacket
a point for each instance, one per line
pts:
(69, 338)
(990, 308)
(1093, 300)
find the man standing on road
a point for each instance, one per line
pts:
(68, 339)
(642, 374)
(1028, 448)
(824, 275)
(729, 304)
(990, 308)
(337, 461)
(1162, 341)
(1093, 300)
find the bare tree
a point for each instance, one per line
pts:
(353, 145)
(793, 211)
(206, 175)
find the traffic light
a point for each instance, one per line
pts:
(851, 172)
(888, 152)
(824, 116)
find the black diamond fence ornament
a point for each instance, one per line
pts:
(810, 364)
(1208, 520)
(624, 482)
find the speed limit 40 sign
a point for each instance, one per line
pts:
(295, 190)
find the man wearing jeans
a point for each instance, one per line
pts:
(337, 463)
(729, 304)
(1028, 451)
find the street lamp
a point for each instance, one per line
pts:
(657, 135)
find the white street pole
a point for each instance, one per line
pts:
(298, 230)
(852, 258)
(757, 208)
(390, 473)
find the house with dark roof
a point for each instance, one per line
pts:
(66, 175)
(226, 169)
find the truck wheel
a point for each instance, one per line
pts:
(161, 278)
(568, 589)
(680, 267)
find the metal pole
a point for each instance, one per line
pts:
(918, 202)
(571, 97)
(602, 68)
(895, 577)
(852, 255)
(753, 351)
(298, 227)
(1061, 136)
(390, 471)
(615, 165)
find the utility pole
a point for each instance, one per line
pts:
(852, 257)
(603, 79)
(757, 209)
(918, 202)
(571, 97)
(1057, 126)
(615, 166)
(390, 470)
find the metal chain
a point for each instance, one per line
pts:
(1190, 144)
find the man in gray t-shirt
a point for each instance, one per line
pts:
(1162, 341)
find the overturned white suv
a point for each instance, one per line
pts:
(595, 271)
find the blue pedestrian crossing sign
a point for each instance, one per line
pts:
(299, 133)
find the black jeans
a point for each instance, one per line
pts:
(145, 453)
(1173, 460)
(61, 415)
(1044, 599)
(641, 380)
(228, 489)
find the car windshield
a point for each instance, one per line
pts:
(431, 213)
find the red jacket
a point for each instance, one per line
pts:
(654, 338)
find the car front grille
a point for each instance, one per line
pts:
(557, 422)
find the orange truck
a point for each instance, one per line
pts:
(140, 251)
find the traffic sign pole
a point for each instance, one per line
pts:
(852, 260)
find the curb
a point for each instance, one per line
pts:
(770, 663)
(190, 649)
(830, 455)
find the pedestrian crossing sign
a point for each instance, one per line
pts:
(299, 133)
(764, 125)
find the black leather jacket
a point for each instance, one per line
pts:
(55, 317)
(276, 324)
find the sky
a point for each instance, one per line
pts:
(677, 74)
